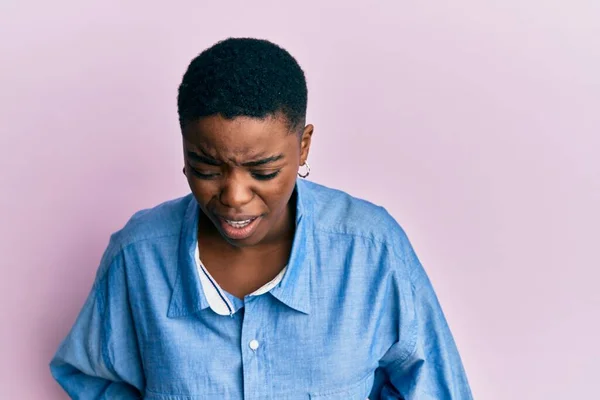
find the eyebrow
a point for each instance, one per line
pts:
(205, 159)
(263, 161)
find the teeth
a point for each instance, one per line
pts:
(239, 224)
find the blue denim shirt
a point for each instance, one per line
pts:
(353, 317)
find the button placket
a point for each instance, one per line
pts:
(254, 362)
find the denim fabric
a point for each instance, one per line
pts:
(354, 316)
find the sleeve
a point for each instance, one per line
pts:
(99, 359)
(424, 363)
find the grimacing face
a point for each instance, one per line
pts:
(242, 172)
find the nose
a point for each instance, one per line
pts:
(235, 192)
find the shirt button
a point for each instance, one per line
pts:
(253, 344)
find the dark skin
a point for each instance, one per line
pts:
(239, 168)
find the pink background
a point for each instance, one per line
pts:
(476, 123)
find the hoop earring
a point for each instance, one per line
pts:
(304, 175)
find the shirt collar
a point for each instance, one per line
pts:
(187, 297)
(294, 289)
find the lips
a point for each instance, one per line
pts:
(238, 227)
(239, 223)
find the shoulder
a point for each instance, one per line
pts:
(353, 220)
(338, 212)
(161, 221)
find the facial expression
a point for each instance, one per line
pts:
(242, 172)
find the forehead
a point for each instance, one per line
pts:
(240, 137)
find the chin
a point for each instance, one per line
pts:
(248, 242)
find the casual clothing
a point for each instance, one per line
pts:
(353, 315)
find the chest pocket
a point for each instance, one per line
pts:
(356, 391)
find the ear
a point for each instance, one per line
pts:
(305, 141)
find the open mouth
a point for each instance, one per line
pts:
(239, 229)
(239, 224)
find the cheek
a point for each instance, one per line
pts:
(278, 194)
(203, 190)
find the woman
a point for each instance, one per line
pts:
(258, 285)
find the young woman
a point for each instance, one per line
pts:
(259, 284)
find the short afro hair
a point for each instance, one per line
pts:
(243, 77)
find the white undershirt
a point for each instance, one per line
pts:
(217, 300)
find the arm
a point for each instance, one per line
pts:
(424, 363)
(99, 359)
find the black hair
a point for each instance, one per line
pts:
(243, 77)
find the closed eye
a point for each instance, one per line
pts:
(265, 177)
(202, 175)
